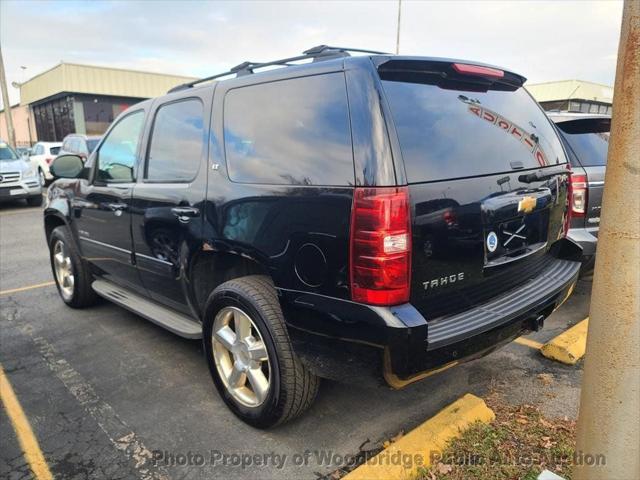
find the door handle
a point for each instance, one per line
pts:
(185, 214)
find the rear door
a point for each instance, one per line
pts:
(167, 212)
(487, 179)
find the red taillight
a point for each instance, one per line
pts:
(466, 69)
(48, 160)
(578, 192)
(380, 245)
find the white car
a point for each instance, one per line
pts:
(18, 178)
(42, 155)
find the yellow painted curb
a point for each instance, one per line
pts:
(568, 347)
(402, 458)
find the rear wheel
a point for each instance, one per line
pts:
(70, 272)
(250, 356)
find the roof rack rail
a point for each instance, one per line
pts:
(318, 53)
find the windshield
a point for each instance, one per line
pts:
(7, 153)
(459, 131)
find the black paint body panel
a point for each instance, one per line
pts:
(298, 235)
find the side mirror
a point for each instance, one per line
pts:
(67, 166)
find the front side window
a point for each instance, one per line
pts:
(290, 132)
(177, 142)
(117, 155)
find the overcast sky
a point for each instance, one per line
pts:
(542, 40)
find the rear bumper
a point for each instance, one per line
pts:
(587, 238)
(343, 340)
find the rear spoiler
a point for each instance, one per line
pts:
(449, 74)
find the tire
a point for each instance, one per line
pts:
(42, 178)
(79, 293)
(291, 387)
(35, 201)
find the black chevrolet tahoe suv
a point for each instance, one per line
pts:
(342, 216)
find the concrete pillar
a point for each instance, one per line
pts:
(609, 419)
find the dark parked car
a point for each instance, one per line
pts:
(353, 217)
(78, 144)
(586, 139)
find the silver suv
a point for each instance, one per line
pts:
(18, 178)
(586, 139)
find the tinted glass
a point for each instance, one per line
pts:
(54, 150)
(457, 133)
(7, 153)
(290, 132)
(92, 144)
(590, 148)
(117, 155)
(177, 142)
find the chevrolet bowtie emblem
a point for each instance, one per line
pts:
(527, 204)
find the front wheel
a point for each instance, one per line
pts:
(70, 272)
(42, 178)
(250, 356)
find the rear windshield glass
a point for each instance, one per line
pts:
(454, 133)
(54, 150)
(588, 139)
(590, 148)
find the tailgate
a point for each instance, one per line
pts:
(487, 179)
(476, 245)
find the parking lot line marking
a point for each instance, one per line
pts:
(424, 441)
(569, 346)
(121, 436)
(28, 287)
(26, 438)
(528, 343)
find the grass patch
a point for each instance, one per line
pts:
(518, 444)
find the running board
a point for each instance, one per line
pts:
(171, 320)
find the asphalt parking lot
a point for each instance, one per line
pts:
(102, 387)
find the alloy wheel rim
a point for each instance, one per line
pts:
(63, 269)
(241, 357)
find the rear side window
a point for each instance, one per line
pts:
(452, 133)
(587, 139)
(290, 132)
(54, 150)
(177, 142)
